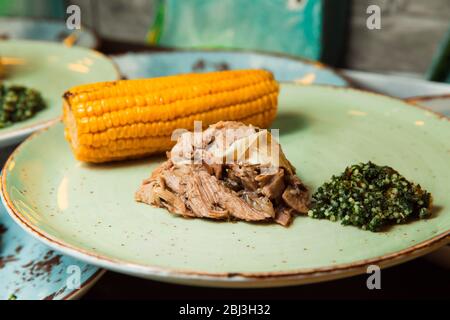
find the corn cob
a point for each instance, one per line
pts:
(124, 119)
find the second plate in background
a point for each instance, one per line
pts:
(284, 68)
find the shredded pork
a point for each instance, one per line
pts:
(196, 181)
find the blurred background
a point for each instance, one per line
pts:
(411, 45)
(413, 38)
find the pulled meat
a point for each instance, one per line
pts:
(196, 181)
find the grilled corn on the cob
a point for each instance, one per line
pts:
(110, 121)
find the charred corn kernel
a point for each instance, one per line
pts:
(124, 119)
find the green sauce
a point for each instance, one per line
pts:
(370, 196)
(18, 103)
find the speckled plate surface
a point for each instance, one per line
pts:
(32, 270)
(89, 212)
(284, 68)
(50, 68)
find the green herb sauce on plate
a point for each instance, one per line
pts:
(18, 103)
(370, 196)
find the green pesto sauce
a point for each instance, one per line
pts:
(370, 196)
(18, 103)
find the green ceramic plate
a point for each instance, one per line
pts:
(88, 211)
(50, 68)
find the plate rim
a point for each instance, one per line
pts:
(313, 274)
(27, 241)
(87, 285)
(19, 134)
(418, 99)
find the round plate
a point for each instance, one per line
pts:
(46, 30)
(89, 212)
(32, 271)
(50, 68)
(284, 68)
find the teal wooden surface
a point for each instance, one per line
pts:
(440, 67)
(293, 26)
